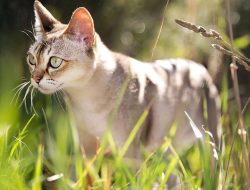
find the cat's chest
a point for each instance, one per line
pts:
(90, 117)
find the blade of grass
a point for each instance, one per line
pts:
(36, 185)
(20, 137)
(135, 129)
(171, 167)
(133, 133)
(3, 141)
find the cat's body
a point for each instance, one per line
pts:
(93, 76)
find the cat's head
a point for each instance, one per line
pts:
(62, 54)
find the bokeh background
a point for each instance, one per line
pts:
(130, 27)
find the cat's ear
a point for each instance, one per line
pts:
(81, 27)
(44, 21)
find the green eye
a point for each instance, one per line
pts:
(55, 62)
(31, 59)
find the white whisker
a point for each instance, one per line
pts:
(26, 34)
(18, 89)
(58, 98)
(30, 33)
(32, 107)
(62, 92)
(23, 83)
(31, 98)
(24, 98)
(20, 93)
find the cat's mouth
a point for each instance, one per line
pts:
(47, 86)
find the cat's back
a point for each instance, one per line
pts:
(168, 76)
(184, 70)
(173, 67)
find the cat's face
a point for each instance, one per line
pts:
(62, 55)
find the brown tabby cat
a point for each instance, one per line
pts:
(71, 57)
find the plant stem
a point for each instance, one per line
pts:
(233, 69)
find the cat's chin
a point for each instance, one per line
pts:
(46, 91)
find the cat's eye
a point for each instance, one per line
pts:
(55, 62)
(31, 59)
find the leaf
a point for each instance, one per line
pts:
(242, 42)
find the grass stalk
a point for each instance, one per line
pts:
(242, 132)
(36, 184)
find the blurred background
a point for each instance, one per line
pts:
(130, 27)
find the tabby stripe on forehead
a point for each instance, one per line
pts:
(49, 50)
(40, 49)
(36, 48)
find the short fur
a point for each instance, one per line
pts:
(92, 77)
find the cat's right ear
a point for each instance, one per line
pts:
(44, 21)
(81, 27)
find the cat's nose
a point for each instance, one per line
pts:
(37, 75)
(37, 79)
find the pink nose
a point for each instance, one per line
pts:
(37, 79)
(37, 75)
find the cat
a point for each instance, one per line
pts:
(71, 57)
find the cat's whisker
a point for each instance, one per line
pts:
(24, 98)
(60, 92)
(24, 32)
(18, 90)
(63, 93)
(30, 33)
(19, 93)
(59, 101)
(32, 107)
(31, 98)
(17, 87)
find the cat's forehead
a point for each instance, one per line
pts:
(49, 38)
(41, 44)
(57, 46)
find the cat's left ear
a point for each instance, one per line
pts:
(81, 27)
(44, 21)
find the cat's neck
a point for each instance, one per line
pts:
(99, 87)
